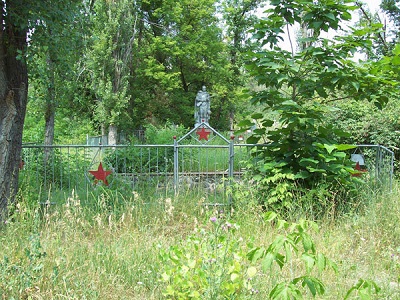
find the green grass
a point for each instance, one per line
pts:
(111, 248)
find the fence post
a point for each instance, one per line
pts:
(176, 166)
(231, 167)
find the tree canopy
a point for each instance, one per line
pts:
(107, 66)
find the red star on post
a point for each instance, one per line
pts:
(359, 169)
(101, 174)
(203, 134)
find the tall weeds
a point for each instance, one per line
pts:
(112, 247)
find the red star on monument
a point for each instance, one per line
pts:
(101, 174)
(203, 134)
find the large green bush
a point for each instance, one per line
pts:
(367, 124)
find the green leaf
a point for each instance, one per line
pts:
(280, 260)
(267, 261)
(307, 241)
(308, 161)
(257, 116)
(395, 60)
(314, 285)
(253, 139)
(330, 148)
(396, 50)
(269, 216)
(364, 288)
(255, 254)
(309, 261)
(321, 262)
(330, 16)
(356, 85)
(302, 175)
(245, 123)
(311, 286)
(251, 272)
(268, 123)
(344, 147)
(234, 277)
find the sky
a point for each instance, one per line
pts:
(372, 5)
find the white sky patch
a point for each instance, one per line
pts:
(291, 34)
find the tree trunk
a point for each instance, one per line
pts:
(112, 134)
(49, 115)
(13, 101)
(49, 130)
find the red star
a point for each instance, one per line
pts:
(203, 134)
(359, 169)
(101, 174)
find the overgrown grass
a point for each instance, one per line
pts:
(122, 247)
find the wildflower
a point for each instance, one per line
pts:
(227, 226)
(213, 219)
(253, 291)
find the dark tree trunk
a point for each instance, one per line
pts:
(13, 101)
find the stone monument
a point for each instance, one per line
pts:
(202, 107)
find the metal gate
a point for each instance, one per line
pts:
(204, 164)
(376, 164)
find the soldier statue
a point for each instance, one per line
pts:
(202, 107)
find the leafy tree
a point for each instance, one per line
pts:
(302, 149)
(238, 16)
(17, 19)
(52, 54)
(13, 94)
(185, 52)
(114, 33)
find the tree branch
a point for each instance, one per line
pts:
(381, 38)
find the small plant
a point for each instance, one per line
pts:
(209, 264)
(293, 250)
(20, 278)
(364, 290)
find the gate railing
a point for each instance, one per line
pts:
(158, 170)
(379, 164)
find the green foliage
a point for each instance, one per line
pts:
(303, 150)
(364, 290)
(209, 264)
(68, 129)
(147, 159)
(163, 135)
(295, 244)
(109, 245)
(25, 272)
(299, 155)
(368, 125)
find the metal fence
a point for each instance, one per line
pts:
(205, 168)
(377, 166)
